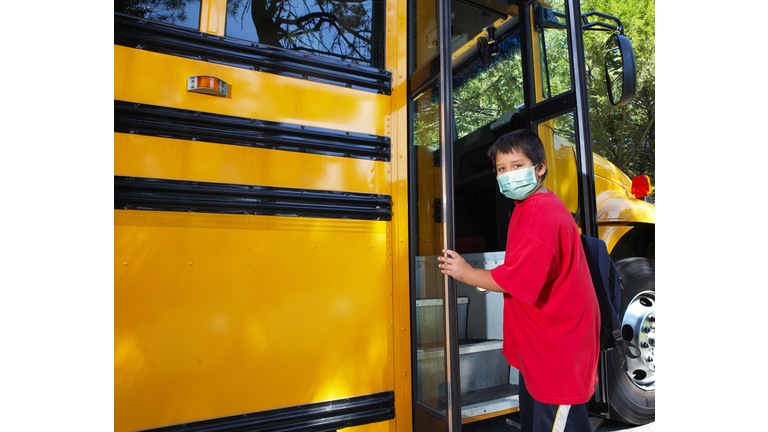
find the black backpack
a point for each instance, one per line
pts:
(608, 289)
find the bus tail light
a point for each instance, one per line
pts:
(207, 85)
(641, 186)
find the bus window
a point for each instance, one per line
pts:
(422, 20)
(184, 13)
(487, 103)
(553, 45)
(349, 31)
(483, 94)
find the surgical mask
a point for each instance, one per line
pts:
(518, 184)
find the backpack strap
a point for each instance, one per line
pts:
(608, 291)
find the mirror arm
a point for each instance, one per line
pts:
(599, 25)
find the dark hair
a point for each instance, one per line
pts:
(522, 141)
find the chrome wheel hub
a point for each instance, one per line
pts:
(638, 327)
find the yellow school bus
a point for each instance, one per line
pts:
(287, 172)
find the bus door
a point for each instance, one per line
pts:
(433, 295)
(498, 78)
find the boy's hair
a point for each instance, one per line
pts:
(522, 141)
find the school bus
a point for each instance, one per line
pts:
(287, 172)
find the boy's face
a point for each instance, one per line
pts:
(515, 160)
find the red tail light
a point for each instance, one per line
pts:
(641, 186)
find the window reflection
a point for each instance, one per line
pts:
(429, 288)
(482, 94)
(345, 30)
(184, 13)
(553, 45)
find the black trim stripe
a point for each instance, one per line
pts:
(217, 128)
(316, 417)
(135, 32)
(139, 193)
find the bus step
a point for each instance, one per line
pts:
(490, 400)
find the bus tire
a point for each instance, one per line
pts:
(632, 394)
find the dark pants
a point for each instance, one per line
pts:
(537, 416)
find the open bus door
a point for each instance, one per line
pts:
(459, 372)
(434, 318)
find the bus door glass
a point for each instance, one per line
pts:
(431, 303)
(460, 373)
(488, 102)
(433, 298)
(559, 107)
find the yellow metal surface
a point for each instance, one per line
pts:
(396, 62)
(614, 202)
(218, 315)
(607, 171)
(538, 93)
(385, 426)
(615, 206)
(213, 16)
(145, 156)
(429, 188)
(611, 233)
(159, 79)
(562, 178)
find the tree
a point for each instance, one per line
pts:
(482, 94)
(337, 28)
(167, 11)
(625, 135)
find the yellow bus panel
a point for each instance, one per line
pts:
(160, 79)
(148, 156)
(218, 315)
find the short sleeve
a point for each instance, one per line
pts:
(526, 270)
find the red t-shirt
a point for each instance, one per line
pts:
(551, 315)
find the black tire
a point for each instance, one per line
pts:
(632, 394)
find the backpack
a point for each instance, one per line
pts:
(608, 289)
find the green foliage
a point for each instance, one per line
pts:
(625, 135)
(482, 94)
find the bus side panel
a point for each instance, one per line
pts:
(159, 79)
(217, 315)
(156, 157)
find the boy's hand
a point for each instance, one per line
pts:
(454, 265)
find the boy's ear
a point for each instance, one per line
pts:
(541, 168)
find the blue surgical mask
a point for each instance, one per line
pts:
(518, 184)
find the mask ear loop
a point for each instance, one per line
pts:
(539, 180)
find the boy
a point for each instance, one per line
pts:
(551, 315)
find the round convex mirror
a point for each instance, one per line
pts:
(620, 69)
(485, 51)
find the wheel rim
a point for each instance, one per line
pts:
(639, 328)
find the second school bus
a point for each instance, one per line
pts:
(287, 172)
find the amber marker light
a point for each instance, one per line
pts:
(641, 186)
(206, 84)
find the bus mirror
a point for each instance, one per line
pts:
(620, 69)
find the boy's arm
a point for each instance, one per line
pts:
(454, 265)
